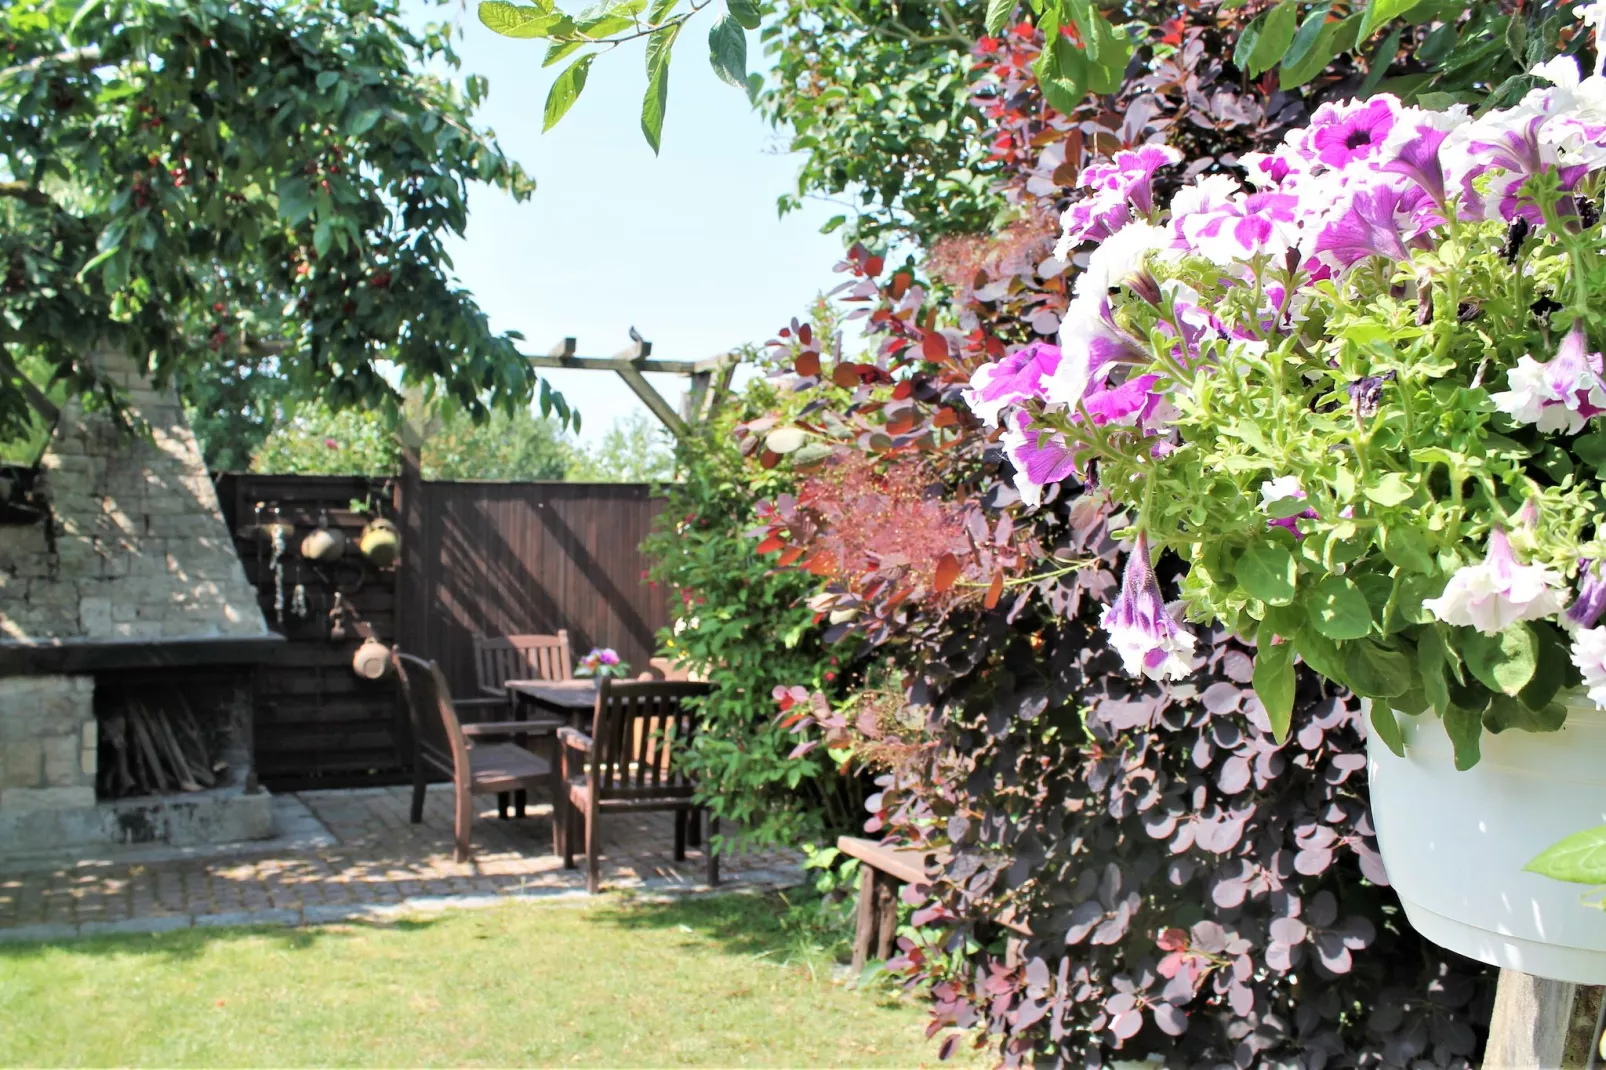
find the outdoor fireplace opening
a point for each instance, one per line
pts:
(172, 732)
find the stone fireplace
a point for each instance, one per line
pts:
(126, 602)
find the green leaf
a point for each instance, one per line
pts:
(1387, 725)
(557, 51)
(516, 20)
(1406, 547)
(1274, 684)
(1505, 713)
(1379, 12)
(1391, 490)
(1551, 672)
(1431, 662)
(661, 8)
(1464, 727)
(1267, 571)
(1322, 655)
(295, 200)
(362, 122)
(1377, 671)
(1310, 32)
(1338, 609)
(327, 79)
(1578, 859)
(1247, 41)
(744, 12)
(1276, 34)
(565, 91)
(1380, 61)
(998, 13)
(1591, 448)
(1062, 95)
(322, 236)
(1503, 662)
(659, 46)
(727, 51)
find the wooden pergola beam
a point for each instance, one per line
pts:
(632, 364)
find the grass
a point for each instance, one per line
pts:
(715, 981)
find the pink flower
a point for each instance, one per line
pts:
(1142, 627)
(607, 656)
(1016, 378)
(1343, 134)
(1040, 457)
(1125, 183)
(331, 443)
(1561, 394)
(1367, 227)
(1497, 592)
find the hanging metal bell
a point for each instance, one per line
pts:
(380, 542)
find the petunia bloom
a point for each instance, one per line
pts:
(1368, 226)
(1587, 608)
(1039, 456)
(1589, 654)
(1561, 394)
(1342, 134)
(994, 387)
(1117, 188)
(1285, 488)
(1142, 628)
(1497, 592)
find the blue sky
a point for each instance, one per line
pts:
(685, 246)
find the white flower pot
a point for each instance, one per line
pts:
(1454, 843)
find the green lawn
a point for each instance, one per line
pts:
(697, 982)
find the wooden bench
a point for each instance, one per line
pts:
(885, 868)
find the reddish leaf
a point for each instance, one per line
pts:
(769, 459)
(873, 266)
(900, 285)
(901, 422)
(902, 390)
(945, 417)
(805, 334)
(771, 544)
(947, 572)
(995, 591)
(788, 555)
(845, 375)
(808, 364)
(934, 346)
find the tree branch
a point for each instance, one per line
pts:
(25, 193)
(82, 57)
(36, 397)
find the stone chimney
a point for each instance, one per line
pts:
(132, 558)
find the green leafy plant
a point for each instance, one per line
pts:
(216, 186)
(1359, 402)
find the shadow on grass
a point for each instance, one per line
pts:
(179, 945)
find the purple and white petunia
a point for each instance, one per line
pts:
(1143, 629)
(1016, 378)
(1120, 191)
(1586, 610)
(1368, 225)
(1281, 489)
(1343, 134)
(1039, 456)
(1497, 592)
(1561, 394)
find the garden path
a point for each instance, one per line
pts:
(353, 854)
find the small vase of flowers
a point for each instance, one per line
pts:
(603, 664)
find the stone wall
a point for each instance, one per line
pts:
(47, 743)
(135, 547)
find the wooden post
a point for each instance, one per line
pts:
(864, 933)
(1540, 1024)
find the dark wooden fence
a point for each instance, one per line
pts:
(478, 558)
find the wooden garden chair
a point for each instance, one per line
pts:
(628, 764)
(476, 766)
(520, 657)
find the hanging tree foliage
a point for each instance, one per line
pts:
(234, 189)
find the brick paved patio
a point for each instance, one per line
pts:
(365, 860)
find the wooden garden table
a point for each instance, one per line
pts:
(574, 699)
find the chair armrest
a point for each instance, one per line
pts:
(511, 728)
(573, 737)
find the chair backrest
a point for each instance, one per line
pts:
(521, 657)
(638, 730)
(437, 734)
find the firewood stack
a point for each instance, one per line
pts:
(153, 745)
